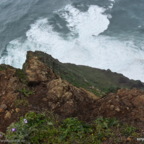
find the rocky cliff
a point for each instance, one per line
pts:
(95, 80)
(45, 84)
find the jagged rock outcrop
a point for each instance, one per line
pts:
(36, 70)
(38, 87)
(63, 99)
(127, 105)
(89, 78)
(9, 84)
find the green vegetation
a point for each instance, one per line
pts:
(103, 126)
(21, 102)
(21, 75)
(34, 128)
(26, 92)
(128, 130)
(72, 129)
(100, 82)
(43, 128)
(110, 90)
(4, 67)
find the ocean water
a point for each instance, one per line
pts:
(105, 34)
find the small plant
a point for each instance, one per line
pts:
(72, 127)
(21, 102)
(103, 127)
(111, 90)
(106, 122)
(33, 128)
(26, 92)
(21, 75)
(128, 130)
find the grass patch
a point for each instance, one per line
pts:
(110, 90)
(36, 128)
(25, 92)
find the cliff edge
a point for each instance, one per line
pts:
(44, 84)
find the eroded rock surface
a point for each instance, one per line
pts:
(36, 70)
(127, 105)
(9, 84)
(64, 99)
(37, 87)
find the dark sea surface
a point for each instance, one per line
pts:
(106, 34)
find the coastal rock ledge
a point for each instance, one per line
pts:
(45, 84)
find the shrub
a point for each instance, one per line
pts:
(128, 130)
(110, 90)
(33, 128)
(103, 127)
(73, 128)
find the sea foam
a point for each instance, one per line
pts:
(84, 44)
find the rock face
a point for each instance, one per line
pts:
(9, 83)
(64, 99)
(37, 71)
(38, 87)
(127, 105)
(87, 77)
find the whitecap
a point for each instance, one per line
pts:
(87, 48)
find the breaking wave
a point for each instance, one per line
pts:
(82, 42)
